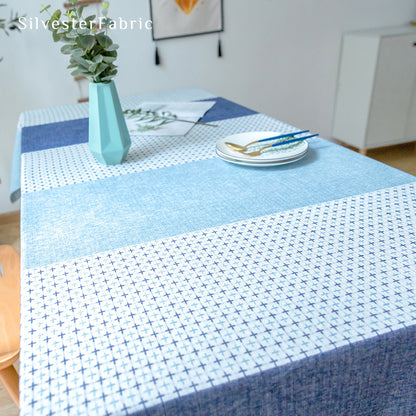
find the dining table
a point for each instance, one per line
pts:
(178, 283)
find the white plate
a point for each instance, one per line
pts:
(257, 161)
(259, 164)
(285, 153)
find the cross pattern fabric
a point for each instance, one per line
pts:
(142, 325)
(294, 296)
(73, 164)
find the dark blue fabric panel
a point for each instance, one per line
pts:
(66, 133)
(225, 109)
(368, 378)
(49, 136)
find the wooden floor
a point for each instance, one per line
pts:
(402, 157)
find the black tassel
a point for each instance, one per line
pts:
(157, 59)
(219, 48)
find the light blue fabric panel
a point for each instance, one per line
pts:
(111, 213)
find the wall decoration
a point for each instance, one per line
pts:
(177, 18)
(180, 18)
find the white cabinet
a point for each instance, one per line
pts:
(376, 92)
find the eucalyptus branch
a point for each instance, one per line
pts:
(152, 119)
(92, 52)
(11, 24)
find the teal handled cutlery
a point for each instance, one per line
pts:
(258, 152)
(240, 148)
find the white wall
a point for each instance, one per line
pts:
(280, 58)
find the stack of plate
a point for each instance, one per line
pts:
(279, 155)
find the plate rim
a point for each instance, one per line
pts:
(261, 164)
(253, 161)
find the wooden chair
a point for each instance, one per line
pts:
(9, 319)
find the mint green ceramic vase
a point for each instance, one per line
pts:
(108, 136)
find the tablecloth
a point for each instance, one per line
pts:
(176, 283)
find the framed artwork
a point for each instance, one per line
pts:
(179, 18)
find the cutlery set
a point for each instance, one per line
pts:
(243, 149)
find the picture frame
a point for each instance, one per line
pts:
(182, 18)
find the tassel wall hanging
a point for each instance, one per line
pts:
(157, 58)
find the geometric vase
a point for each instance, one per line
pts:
(108, 136)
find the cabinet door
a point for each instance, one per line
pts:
(393, 91)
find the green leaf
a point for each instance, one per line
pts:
(82, 32)
(90, 19)
(77, 52)
(106, 79)
(93, 67)
(73, 63)
(98, 59)
(78, 72)
(70, 13)
(103, 40)
(72, 34)
(56, 15)
(61, 30)
(67, 49)
(105, 9)
(44, 8)
(80, 10)
(56, 36)
(109, 75)
(110, 53)
(81, 61)
(86, 42)
(100, 69)
(109, 59)
(112, 47)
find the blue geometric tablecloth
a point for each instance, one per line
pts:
(176, 283)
